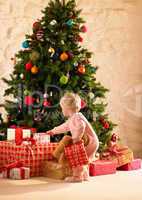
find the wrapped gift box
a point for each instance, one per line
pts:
(6, 169)
(133, 165)
(20, 173)
(123, 156)
(32, 156)
(5, 174)
(42, 138)
(55, 170)
(102, 167)
(19, 133)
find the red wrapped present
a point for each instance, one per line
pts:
(20, 173)
(76, 154)
(135, 164)
(32, 156)
(102, 167)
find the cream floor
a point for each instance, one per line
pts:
(122, 185)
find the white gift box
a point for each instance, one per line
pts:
(20, 173)
(42, 138)
(10, 134)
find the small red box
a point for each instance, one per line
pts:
(102, 167)
(135, 164)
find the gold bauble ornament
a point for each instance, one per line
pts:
(64, 56)
(34, 70)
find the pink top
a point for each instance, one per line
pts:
(77, 124)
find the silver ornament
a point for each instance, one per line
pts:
(16, 100)
(45, 95)
(75, 64)
(91, 95)
(21, 76)
(51, 94)
(62, 42)
(53, 22)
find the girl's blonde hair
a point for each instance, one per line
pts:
(71, 100)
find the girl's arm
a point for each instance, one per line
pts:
(59, 129)
(77, 129)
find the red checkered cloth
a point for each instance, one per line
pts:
(76, 154)
(33, 156)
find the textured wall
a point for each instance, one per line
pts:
(114, 36)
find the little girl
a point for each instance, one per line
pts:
(79, 127)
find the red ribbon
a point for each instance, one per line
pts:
(22, 173)
(19, 136)
(10, 166)
(114, 151)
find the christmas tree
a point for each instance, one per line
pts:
(51, 62)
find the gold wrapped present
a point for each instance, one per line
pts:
(122, 155)
(54, 170)
(125, 157)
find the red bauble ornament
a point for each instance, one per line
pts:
(36, 25)
(28, 100)
(46, 103)
(80, 39)
(106, 125)
(101, 119)
(83, 104)
(83, 29)
(81, 69)
(70, 54)
(28, 66)
(114, 137)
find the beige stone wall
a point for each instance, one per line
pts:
(115, 38)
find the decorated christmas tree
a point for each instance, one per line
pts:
(51, 62)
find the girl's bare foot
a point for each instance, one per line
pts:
(73, 179)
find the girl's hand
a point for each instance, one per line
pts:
(50, 132)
